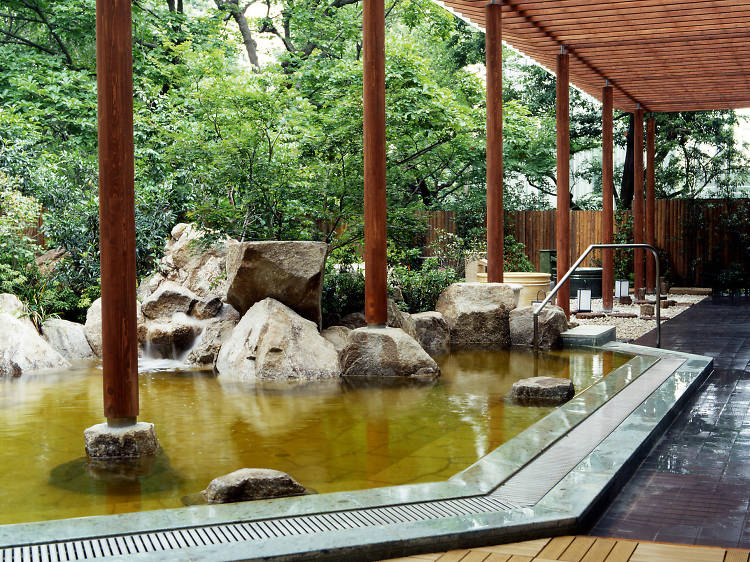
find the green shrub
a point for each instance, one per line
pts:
(343, 292)
(422, 287)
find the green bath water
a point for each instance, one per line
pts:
(328, 436)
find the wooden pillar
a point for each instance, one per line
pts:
(608, 196)
(373, 46)
(563, 179)
(650, 204)
(638, 283)
(117, 210)
(494, 61)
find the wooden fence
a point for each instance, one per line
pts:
(699, 239)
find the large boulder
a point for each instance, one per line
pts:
(49, 260)
(251, 484)
(189, 262)
(272, 342)
(386, 352)
(432, 332)
(542, 391)
(22, 349)
(353, 320)
(93, 327)
(477, 314)
(338, 336)
(397, 318)
(68, 338)
(289, 272)
(170, 338)
(216, 331)
(552, 323)
(11, 304)
(169, 299)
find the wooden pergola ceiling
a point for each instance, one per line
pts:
(667, 55)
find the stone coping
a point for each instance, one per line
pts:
(568, 503)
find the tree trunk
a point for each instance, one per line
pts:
(626, 187)
(233, 6)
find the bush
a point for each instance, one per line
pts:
(422, 287)
(343, 292)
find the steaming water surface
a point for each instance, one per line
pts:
(328, 436)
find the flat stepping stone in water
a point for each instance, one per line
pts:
(542, 391)
(623, 315)
(251, 484)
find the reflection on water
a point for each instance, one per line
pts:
(330, 436)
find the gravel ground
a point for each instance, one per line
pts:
(629, 329)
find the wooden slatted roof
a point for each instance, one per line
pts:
(667, 55)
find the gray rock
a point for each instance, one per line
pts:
(105, 441)
(49, 260)
(542, 391)
(9, 368)
(397, 318)
(215, 332)
(68, 338)
(432, 332)
(272, 342)
(552, 323)
(251, 484)
(289, 272)
(21, 347)
(11, 304)
(354, 320)
(93, 327)
(204, 309)
(169, 299)
(338, 336)
(386, 352)
(171, 338)
(647, 310)
(188, 262)
(477, 314)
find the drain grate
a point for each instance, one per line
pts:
(251, 531)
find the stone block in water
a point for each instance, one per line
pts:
(251, 484)
(112, 442)
(542, 391)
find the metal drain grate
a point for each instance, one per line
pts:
(251, 531)
(524, 489)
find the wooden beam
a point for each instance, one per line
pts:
(563, 178)
(650, 203)
(608, 197)
(494, 63)
(638, 199)
(373, 50)
(117, 210)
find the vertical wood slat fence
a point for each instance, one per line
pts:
(697, 237)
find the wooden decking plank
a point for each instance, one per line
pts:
(497, 557)
(520, 558)
(475, 556)
(577, 549)
(526, 548)
(556, 547)
(648, 552)
(621, 552)
(453, 555)
(599, 550)
(736, 556)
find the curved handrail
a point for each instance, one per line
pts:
(565, 277)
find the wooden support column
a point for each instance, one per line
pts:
(638, 283)
(494, 61)
(563, 178)
(117, 210)
(608, 196)
(650, 204)
(373, 46)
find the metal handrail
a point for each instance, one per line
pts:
(565, 277)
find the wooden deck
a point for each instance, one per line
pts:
(586, 549)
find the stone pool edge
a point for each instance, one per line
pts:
(545, 517)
